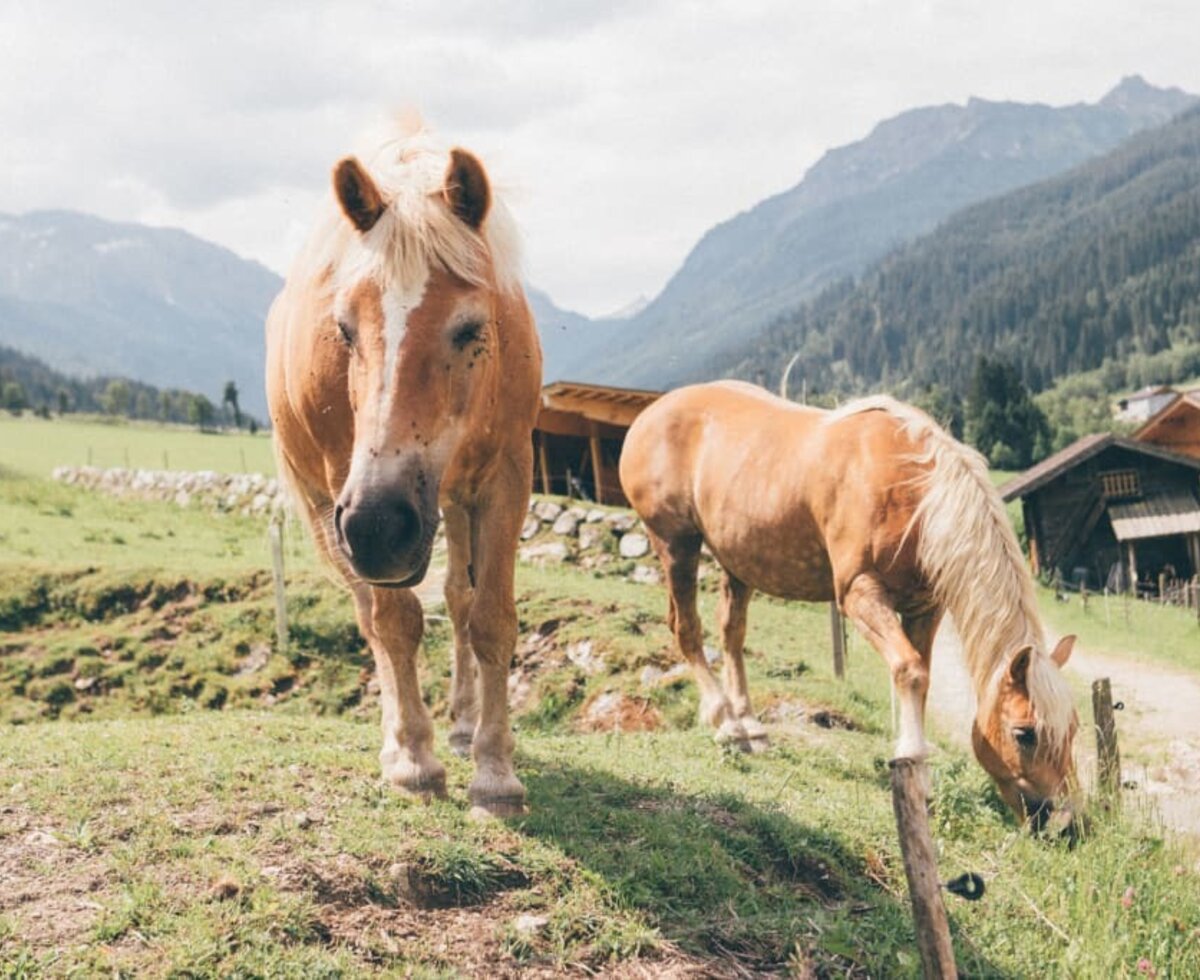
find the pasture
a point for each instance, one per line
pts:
(178, 797)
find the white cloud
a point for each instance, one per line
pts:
(624, 129)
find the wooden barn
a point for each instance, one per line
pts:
(1108, 511)
(1175, 427)
(577, 442)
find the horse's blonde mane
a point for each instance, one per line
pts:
(967, 550)
(418, 230)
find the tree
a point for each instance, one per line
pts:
(943, 406)
(64, 401)
(12, 396)
(231, 399)
(116, 398)
(201, 411)
(1001, 419)
(143, 405)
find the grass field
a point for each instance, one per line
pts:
(179, 798)
(35, 446)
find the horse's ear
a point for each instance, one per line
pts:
(1062, 652)
(1018, 667)
(357, 194)
(466, 188)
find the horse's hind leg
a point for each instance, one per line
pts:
(680, 559)
(870, 606)
(459, 592)
(731, 614)
(392, 622)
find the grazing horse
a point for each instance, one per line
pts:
(403, 372)
(877, 508)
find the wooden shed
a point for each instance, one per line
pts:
(578, 438)
(1108, 511)
(1175, 427)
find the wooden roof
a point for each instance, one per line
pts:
(597, 403)
(1078, 452)
(1186, 401)
(1159, 515)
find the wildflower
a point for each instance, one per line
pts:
(1146, 968)
(1127, 898)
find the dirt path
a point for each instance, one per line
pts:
(1159, 730)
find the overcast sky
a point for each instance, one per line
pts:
(621, 131)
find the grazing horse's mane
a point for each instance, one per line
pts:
(968, 551)
(417, 231)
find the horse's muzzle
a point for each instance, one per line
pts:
(387, 540)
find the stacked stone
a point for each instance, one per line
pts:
(591, 537)
(242, 493)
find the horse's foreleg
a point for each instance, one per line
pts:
(459, 592)
(492, 629)
(731, 614)
(392, 622)
(681, 559)
(870, 607)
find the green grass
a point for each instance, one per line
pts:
(35, 446)
(179, 797)
(1128, 628)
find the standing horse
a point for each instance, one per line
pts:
(403, 372)
(872, 506)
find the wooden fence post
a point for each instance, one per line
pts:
(909, 779)
(275, 533)
(1108, 759)
(838, 633)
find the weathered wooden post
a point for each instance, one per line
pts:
(909, 781)
(1108, 759)
(838, 632)
(275, 533)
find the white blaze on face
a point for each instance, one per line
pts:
(398, 304)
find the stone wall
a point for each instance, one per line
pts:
(243, 493)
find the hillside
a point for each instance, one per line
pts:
(853, 205)
(1101, 262)
(94, 297)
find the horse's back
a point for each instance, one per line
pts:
(780, 492)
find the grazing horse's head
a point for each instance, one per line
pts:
(419, 257)
(1024, 732)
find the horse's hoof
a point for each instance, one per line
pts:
(731, 732)
(498, 796)
(426, 784)
(460, 744)
(500, 809)
(757, 743)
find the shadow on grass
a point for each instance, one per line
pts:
(742, 885)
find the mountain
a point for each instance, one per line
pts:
(94, 297)
(98, 298)
(852, 206)
(1099, 263)
(569, 339)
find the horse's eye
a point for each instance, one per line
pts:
(1026, 736)
(467, 334)
(345, 333)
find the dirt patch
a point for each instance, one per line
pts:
(790, 711)
(611, 711)
(48, 887)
